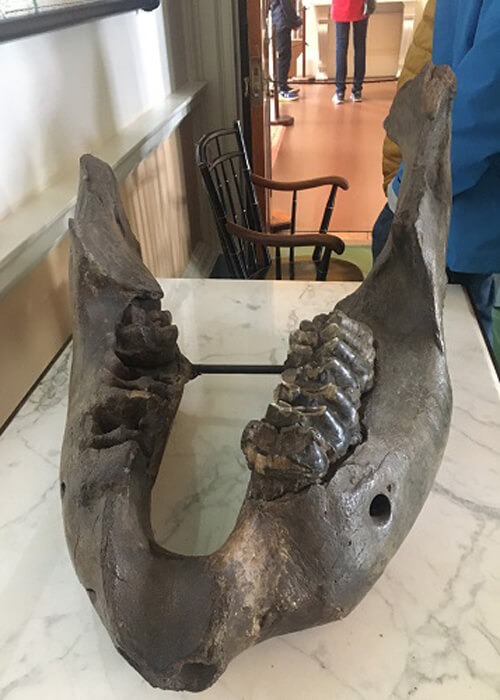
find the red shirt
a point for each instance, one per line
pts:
(348, 10)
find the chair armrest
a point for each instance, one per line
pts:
(297, 240)
(300, 184)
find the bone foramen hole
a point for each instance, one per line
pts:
(380, 509)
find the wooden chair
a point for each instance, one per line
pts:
(225, 168)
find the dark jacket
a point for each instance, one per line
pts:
(284, 15)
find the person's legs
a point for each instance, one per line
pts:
(481, 289)
(342, 44)
(284, 51)
(359, 33)
(381, 230)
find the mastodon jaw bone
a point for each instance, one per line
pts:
(341, 463)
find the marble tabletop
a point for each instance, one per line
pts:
(428, 630)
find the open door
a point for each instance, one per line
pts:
(254, 47)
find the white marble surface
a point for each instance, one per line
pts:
(430, 629)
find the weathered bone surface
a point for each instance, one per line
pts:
(341, 464)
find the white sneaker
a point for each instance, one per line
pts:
(356, 97)
(338, 99)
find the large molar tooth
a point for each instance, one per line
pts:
(329, 426)
(148, 344)
(162, 318)
(286, 392)
(289, 377)
(302, 345)
(117, 436)
(347, 400)
(345, 404)
(315, 409)
(334, 331)
(355, 361)
(307, 326)
(348, 395)
(290, 453)
(116, 368)
(281, 414)
(361, 342)
(337, 372)
(304, 337)
(124, 416)
(336, 436)
(299, 355)
(330, 331)
(314, 377)
(319, 322)
(356, 328)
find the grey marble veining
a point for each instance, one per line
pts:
(430, 629)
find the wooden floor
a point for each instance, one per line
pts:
(330, 139)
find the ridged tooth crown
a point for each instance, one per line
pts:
(314, 419)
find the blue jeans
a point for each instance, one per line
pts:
(359, 32)
(480, 287)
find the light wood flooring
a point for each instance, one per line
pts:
(329, 139)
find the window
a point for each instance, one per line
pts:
(19, 18)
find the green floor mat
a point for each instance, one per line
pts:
(360, 255)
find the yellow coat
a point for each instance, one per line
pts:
(419, 53)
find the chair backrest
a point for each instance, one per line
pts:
(225, 168)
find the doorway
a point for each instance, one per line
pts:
(328, 139)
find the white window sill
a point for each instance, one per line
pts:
(37, 225)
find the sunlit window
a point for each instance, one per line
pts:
(13, 8)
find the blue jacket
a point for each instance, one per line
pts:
(467, 38)
(284, 15)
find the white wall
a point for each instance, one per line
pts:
(201, 42)
(209, 54)
(64, 92)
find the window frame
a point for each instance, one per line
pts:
(49, 20)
